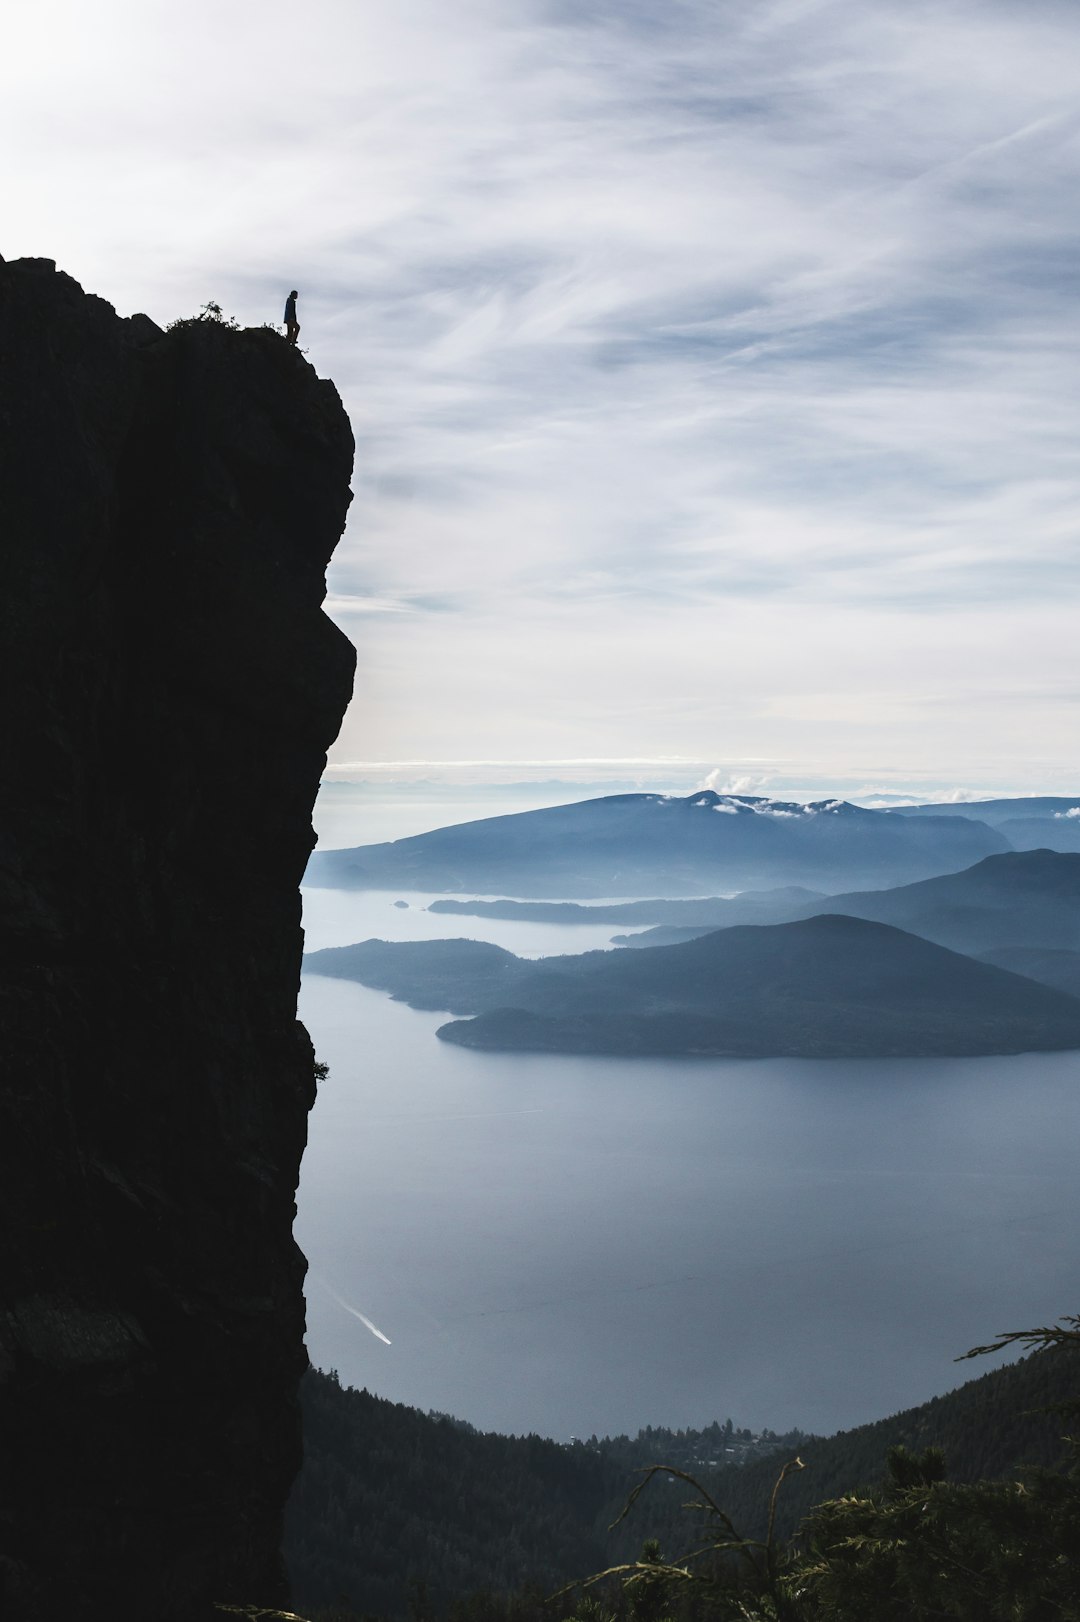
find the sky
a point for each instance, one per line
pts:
(712, 366)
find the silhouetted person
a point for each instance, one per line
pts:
(292, 325)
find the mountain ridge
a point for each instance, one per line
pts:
(1016, 900)
(1019, 898)
(641, 844)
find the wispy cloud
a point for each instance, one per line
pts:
(712, 368)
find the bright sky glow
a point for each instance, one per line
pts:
(713, 367)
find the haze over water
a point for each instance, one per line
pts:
(569, 1244)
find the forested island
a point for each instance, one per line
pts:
(827, 987)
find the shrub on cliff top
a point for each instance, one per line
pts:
(210, 312)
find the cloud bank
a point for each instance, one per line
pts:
(712, 368)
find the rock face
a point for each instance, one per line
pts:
(169, 688)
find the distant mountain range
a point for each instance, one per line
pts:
(641, 844)
(981, 960)
(825, 987)
(1035, 823)
(998, 812)
(1050, 966)
(1024, 899)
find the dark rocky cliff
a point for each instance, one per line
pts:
(169, 686)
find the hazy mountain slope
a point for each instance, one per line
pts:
(1020, 898)
(642, 844)
(1023, 898)
(824, 987)
(669, 934)
(673, 935)
(995, 812)
(701, 913)
(1043, 833)
(1050, 966)
(1039, 823)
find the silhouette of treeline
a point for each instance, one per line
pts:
(712, 1447)
(403, 1514)
(390, 1499)
(985, 1429)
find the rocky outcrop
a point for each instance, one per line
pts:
(169, 688)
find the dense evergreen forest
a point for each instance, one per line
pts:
(391, 1500)
(402, 1514)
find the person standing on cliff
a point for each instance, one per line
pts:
(292, 325)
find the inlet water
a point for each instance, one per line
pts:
(578, 1245)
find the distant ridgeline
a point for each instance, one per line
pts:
(986, 961)
(701, 844)
(399, 1514)
(642, 844)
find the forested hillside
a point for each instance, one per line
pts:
(390, 1498)
(824, 987)
(400, 1513)
(985, 1428)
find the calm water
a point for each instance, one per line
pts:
(576, 1245)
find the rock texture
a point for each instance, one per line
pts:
(169, 687)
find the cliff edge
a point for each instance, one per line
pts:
(169, 687)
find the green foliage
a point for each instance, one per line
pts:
(258, 1613)
(210, 312)
(986, 1430)
(923, 1549)
(390, 1498)
(1066, 1332)
(917, 1549)
(399, 1514)
(724, 1576)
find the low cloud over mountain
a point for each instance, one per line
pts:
(635, 844)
